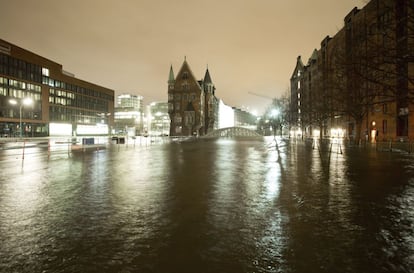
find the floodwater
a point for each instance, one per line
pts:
(208, 206)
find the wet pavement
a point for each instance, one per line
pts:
(207, 206)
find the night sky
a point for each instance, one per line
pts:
(129, 45)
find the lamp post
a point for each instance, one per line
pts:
(22, 102)
(275, 113)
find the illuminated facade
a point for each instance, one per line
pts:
(129, 115)
(61, 104)
(158, 119)
(192, 104)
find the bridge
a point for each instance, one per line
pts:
(233, 132)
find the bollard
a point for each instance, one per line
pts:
(24, 145)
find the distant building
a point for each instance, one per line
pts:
(129, 114)
(244, 119)
(192, 104)
(61, 104)
(235, 117)
(130, 101)
(226, 116)
(158, 121)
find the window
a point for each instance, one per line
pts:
(384, 108)
(384, 126)
(3, 91)
(185, 86)
(45, 71)
(177, 119)
(3, 80)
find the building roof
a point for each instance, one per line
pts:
(207, 78)
(186, 68)
(171, 77)
(299, 67)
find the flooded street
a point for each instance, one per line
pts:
(208, 206)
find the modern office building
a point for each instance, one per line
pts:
(360, 83)
(129, 115)
(158, 120)
(39, 98)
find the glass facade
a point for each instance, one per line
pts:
(56, 96)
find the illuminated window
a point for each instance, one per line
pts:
(3, 91)
(45, 71)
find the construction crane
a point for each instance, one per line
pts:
(262, 96)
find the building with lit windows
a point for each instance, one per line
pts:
(158, 120)
(360, 82)
(60, 104)
(129, 115)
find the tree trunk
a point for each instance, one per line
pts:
(358, 127)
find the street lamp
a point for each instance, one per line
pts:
(25, 101)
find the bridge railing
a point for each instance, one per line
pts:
(233, 132)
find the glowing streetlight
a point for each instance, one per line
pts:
(25, 101)
(275, 113)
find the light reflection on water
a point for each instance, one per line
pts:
(209, 206)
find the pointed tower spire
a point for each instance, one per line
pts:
(171, 78)
(207, 78)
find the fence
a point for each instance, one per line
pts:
(22, 147)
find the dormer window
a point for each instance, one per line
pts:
(185, 75)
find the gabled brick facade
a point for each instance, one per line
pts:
(192, 104)
(363, 77)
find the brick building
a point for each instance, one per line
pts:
(361, 80)
(192, 104)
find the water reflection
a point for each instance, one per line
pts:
(209, 206)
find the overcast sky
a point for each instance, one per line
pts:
(129, 45)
